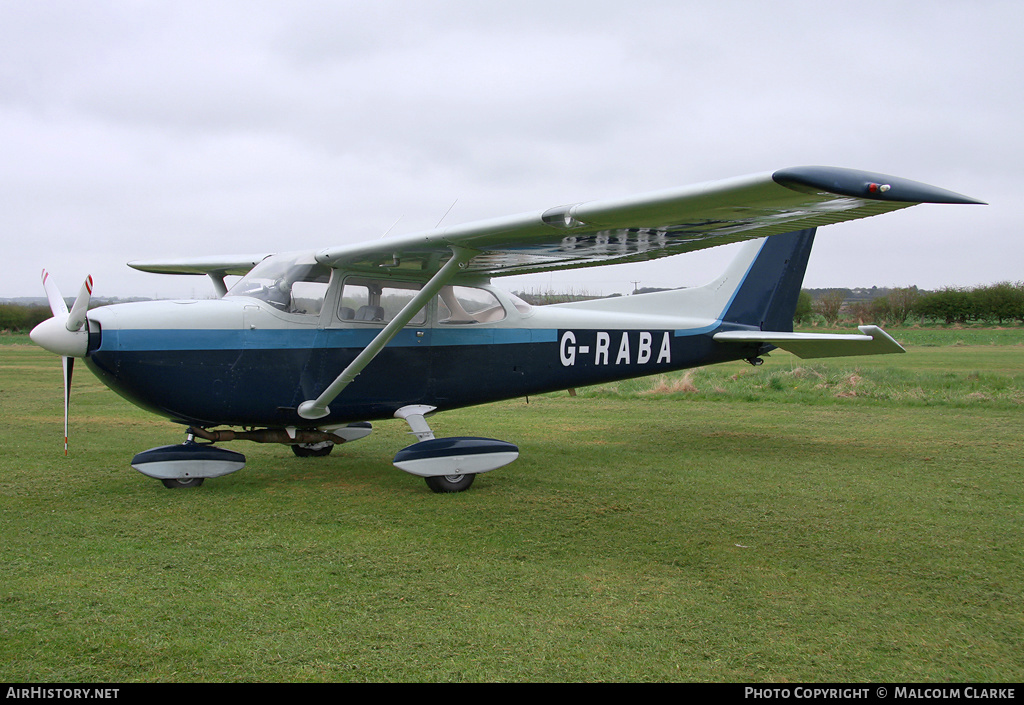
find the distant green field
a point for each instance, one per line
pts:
(856, 520)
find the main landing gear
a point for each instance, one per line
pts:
(448, 464)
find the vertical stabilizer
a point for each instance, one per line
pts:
(767, 296)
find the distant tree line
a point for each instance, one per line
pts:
(15, 317)
(22, 315)
(545, 298)
(997, 304)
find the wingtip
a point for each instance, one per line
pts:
(866, 185)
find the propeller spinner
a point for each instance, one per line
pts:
(65, 334)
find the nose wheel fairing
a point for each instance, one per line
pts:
(187, 462)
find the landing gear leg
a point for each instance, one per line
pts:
(442, 484)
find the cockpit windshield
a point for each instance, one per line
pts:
(289, 282)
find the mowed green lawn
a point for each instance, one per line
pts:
(859, 520)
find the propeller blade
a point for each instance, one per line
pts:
(57, 304)
(76, 319)
(69, 367)
(63, 334)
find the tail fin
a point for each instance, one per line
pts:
(758, 290)
(767, 296)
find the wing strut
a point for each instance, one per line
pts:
(317, 408)
(218, 283)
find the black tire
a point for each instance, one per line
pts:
(181, 484)
(313, 450)
(449, 483)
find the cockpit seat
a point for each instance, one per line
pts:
(370, 313)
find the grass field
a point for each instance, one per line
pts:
(859, 520)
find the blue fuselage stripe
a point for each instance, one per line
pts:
(170, 340)
(164, 340)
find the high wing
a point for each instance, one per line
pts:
(649, 226)
(613, 231)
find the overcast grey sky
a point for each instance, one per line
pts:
(140, 130)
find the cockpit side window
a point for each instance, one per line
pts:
(292, 284)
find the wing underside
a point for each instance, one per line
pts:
(631, 229)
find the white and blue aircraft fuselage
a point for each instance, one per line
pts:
(308, 347)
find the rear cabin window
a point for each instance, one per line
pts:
(370, 301)
(464, 305)
(376, 301)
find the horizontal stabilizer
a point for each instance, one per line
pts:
(872, 341)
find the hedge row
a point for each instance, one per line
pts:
(995, 303)
(14, 317)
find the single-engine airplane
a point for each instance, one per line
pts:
(308, 347)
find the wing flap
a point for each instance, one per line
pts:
(872, 341)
